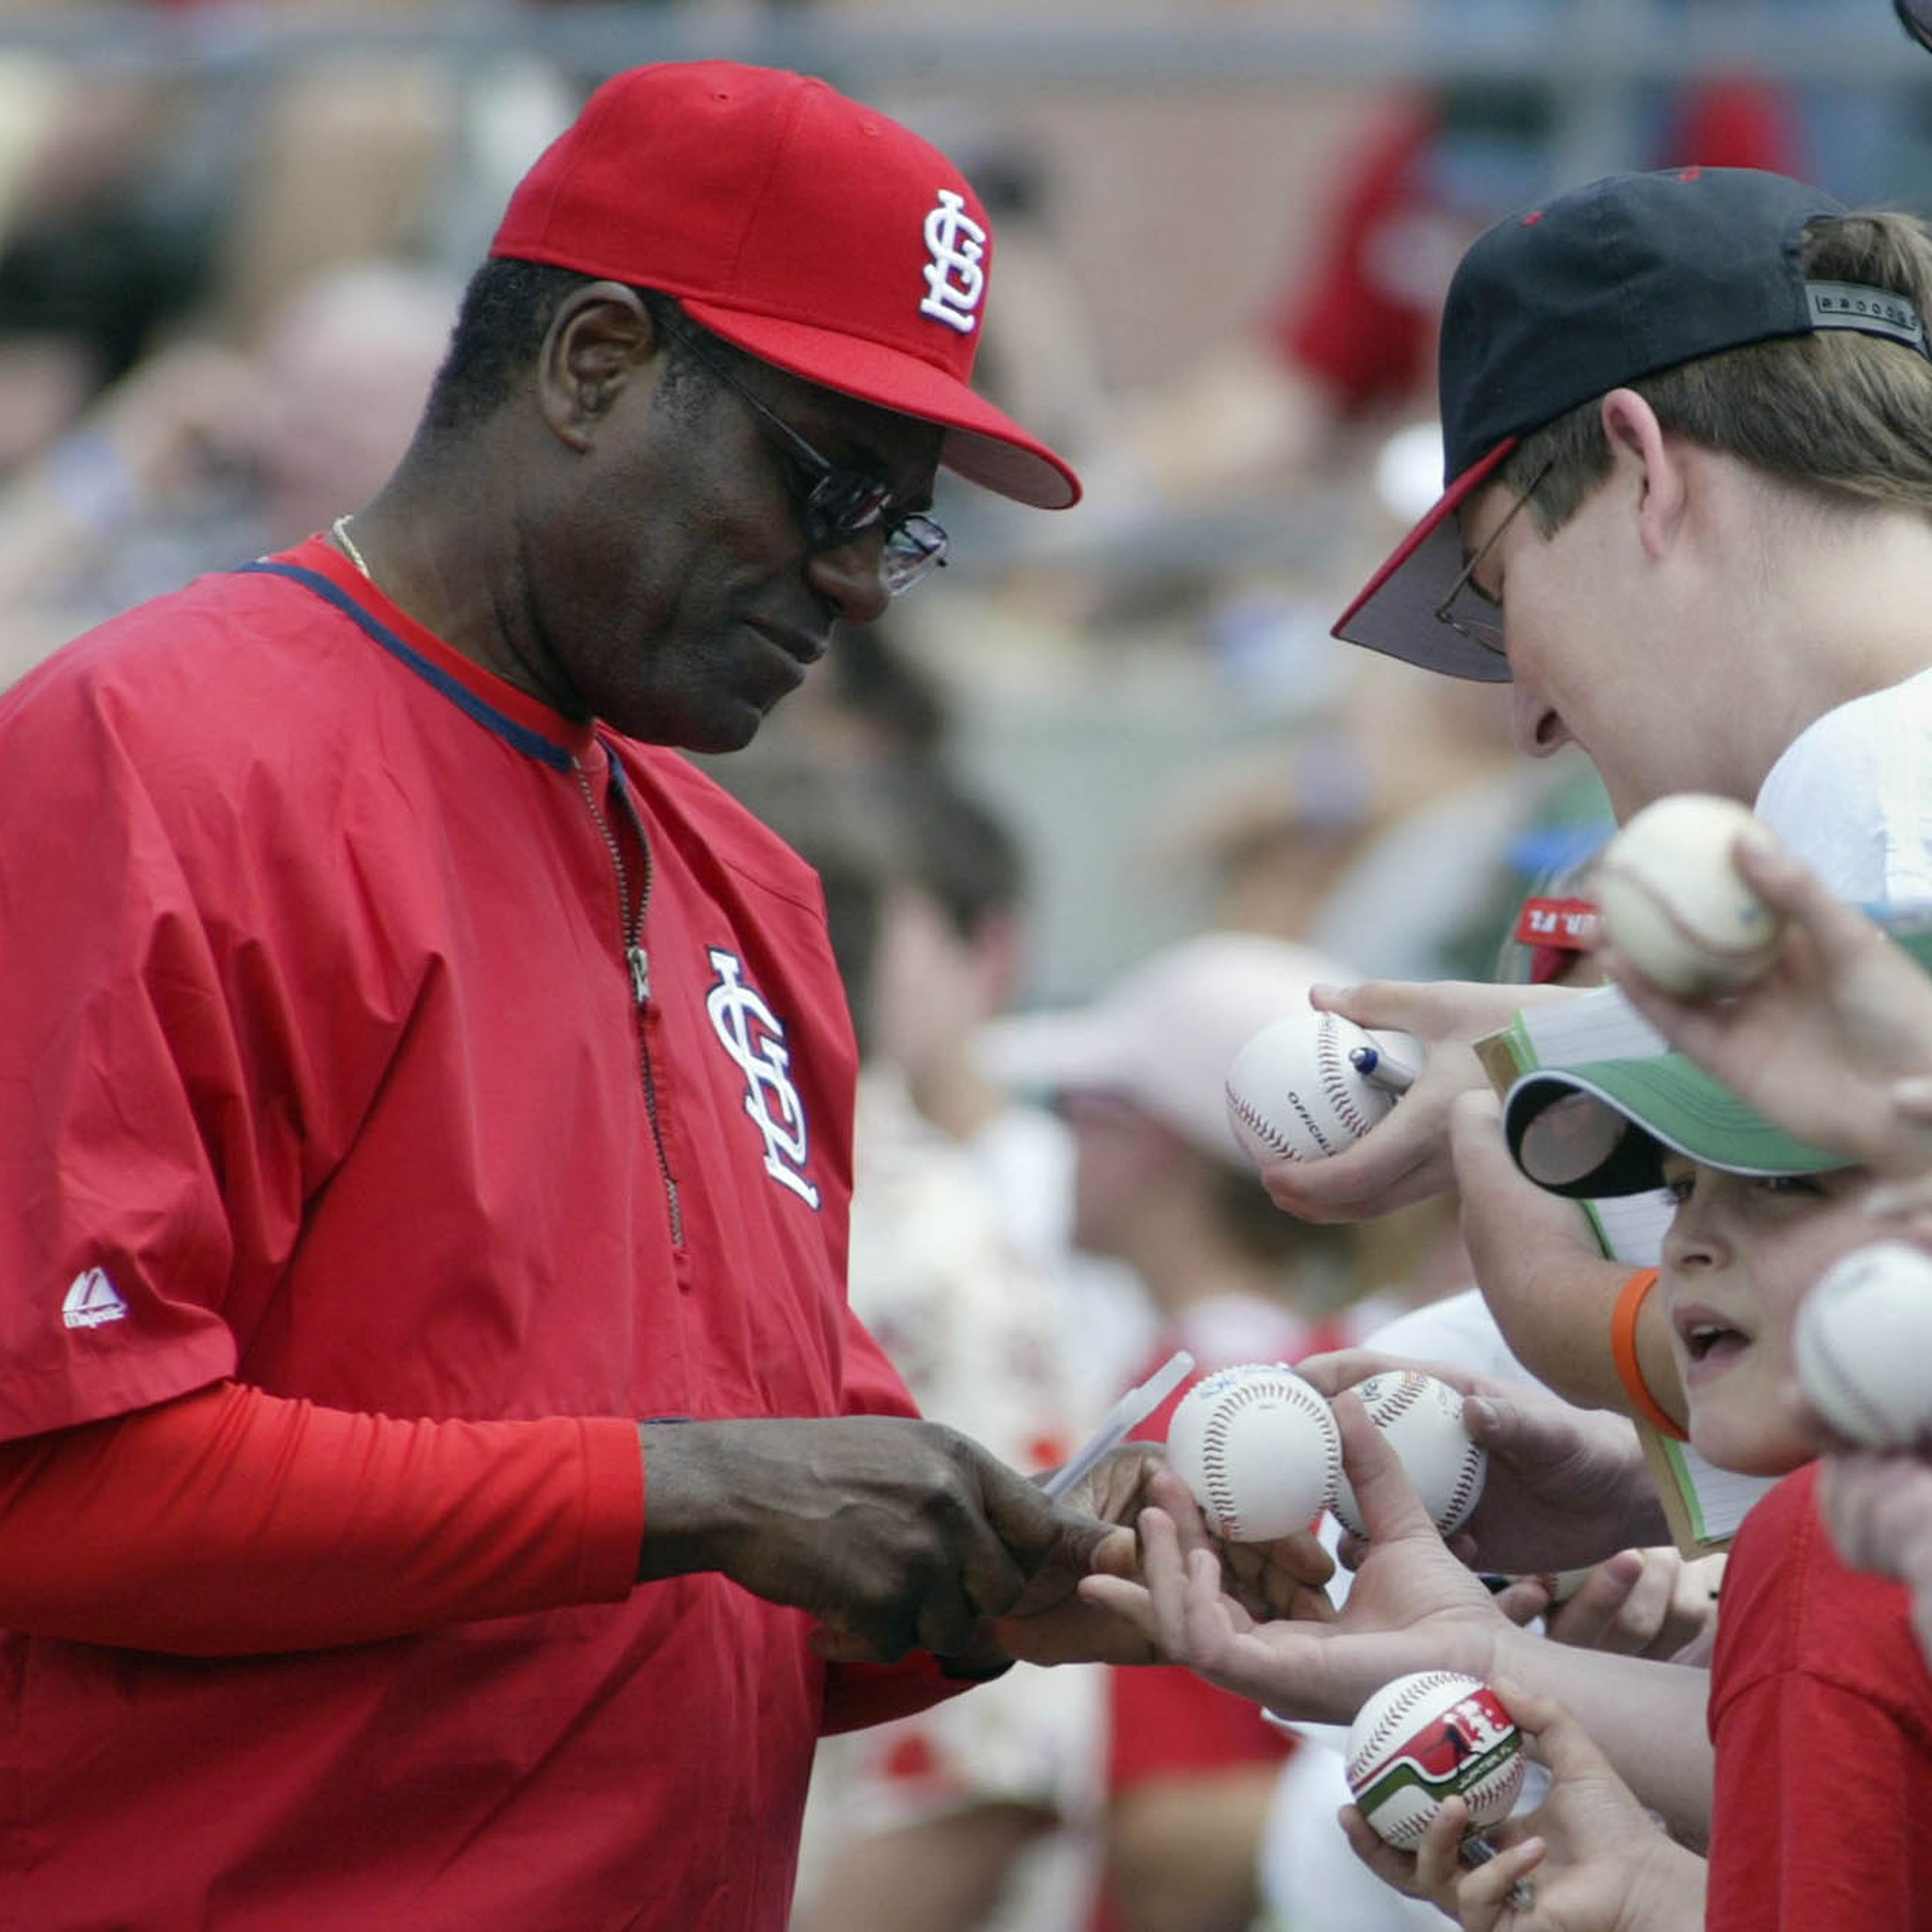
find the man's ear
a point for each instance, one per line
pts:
(600, 339)
(1651, 465)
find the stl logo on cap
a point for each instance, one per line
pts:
(958, 245)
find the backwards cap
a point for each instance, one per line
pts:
(1623, 279)
(810, 231)
(1595, 1129)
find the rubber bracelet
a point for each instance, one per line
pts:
(1623, 1349)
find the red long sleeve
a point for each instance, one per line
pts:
(231, 1520)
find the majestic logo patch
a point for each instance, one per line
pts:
(954, 279)
(754, 1037)
(91, 1300)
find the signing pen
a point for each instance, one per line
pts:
(1374, 1065)
(1127, 1415)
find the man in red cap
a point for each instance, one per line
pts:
(416, 1075)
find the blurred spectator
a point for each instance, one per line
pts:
(1161, 1185)
(1349, 342)
(204, 457)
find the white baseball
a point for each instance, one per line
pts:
(1258, 1447)
(1293, 1094)
(1862, 1343)
(1675, 907)
(1421, 1419)
(1430, 1736)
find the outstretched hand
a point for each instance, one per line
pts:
(1589, 1860)
(1413, 1606)
(1404, 1157)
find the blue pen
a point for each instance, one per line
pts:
(1374, 1065)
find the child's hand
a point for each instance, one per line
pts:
(1588, 1859)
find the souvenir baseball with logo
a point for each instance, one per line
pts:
(1428, 1737)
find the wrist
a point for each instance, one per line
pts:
(685, 1498)
(1666, 1889)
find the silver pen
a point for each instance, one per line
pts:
(1120, 1421)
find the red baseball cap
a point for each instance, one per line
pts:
(806, 229)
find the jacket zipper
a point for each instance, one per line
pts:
(637, 965)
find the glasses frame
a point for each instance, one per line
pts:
(1482, 631)
(842, 504)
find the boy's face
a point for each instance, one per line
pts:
(1740, 1256)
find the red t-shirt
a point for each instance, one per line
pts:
(1821, 1711)
(322, 1071)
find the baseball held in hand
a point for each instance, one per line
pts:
(1673, 903)
(1293, 1094)
(1421, 1419)
(1259, 1449)
(1425, 1739)
(1862, 1342)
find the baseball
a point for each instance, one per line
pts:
(1674, 904)
(1861, 1342)
(1258, 1447)
(1294, 1095)
(1422, 1420)
(1428, 1738)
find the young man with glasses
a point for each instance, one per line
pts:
(422, 1091)
(1688, 517)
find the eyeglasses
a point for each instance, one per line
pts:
(841, 505)
(1480, 619)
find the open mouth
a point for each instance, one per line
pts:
(1709, 1340)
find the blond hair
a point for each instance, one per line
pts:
(1841, 417)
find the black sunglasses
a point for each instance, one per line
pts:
(841, 505)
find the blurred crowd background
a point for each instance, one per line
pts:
(1090, 806)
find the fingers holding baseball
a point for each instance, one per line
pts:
(1431, 1871)
(1817, 1036)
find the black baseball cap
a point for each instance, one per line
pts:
(1610, 283)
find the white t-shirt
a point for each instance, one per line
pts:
(1852, 795)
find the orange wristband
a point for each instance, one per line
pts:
(1623, 1349)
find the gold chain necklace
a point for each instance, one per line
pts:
(339, 530)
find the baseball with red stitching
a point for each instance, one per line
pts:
(1421, 1419)
(1294, 1094)
(1674, 905)
(1861, 1343)
(1428, 1737)
(1258, 1447)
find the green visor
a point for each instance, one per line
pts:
(1602, 1128)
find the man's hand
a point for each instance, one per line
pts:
(894, 1533)
(1820, 1043)
(1566, 1486)
(1052, 1625)
(1404, 1157)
